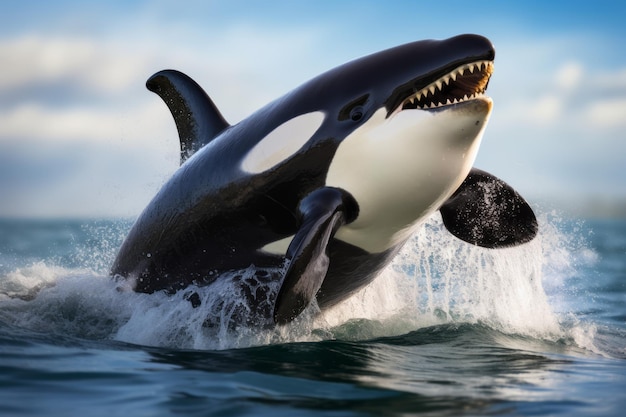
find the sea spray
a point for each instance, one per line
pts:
(74, 303)
(435, 280)
(438, 279)
(26, 282)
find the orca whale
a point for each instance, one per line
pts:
(326, 183)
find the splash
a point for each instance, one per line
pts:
(436, 279)
(65, 302)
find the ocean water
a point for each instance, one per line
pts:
(447, 330)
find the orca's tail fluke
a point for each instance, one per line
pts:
(197, 118)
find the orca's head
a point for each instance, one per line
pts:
(413, 118)
(407, 123)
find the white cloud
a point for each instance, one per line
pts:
(611, 81)
(36, 59)
(569, 76)
(34, 122)
(546, 109)
(608, 113)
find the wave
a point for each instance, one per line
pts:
(436, 281)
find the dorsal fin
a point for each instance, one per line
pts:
(197, 118)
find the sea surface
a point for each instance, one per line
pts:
(447, 330)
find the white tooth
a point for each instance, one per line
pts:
(418, 96)
(439, 84)
(461, 71)
(453, 75)
(465, 97)
(431, 89)
(448, 102)
(471, 68)
(446, 79)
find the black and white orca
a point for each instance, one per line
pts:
(328, 181)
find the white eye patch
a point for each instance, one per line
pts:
(282, 142)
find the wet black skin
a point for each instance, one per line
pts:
(212, 217)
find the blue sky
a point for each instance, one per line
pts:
(81, 136)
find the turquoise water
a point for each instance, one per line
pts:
(448, 329)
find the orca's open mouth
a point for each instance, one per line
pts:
(465, 82)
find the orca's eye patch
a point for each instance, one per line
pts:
(355, 110)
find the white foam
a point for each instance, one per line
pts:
(70, 303)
